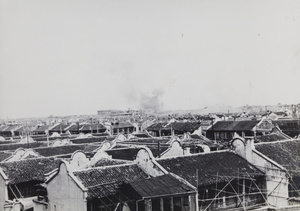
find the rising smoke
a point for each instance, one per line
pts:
(152, 101)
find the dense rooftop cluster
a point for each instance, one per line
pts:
(220, 158)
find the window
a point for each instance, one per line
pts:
(177, 203)
(156, 204)
(186, 203)
(167, 204)
(141, 206)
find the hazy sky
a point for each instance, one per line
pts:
(65, 57)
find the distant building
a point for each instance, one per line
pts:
(225, 130)
(275, 135)
(117, 114)
(173, 128)
(291, 127)
(115, 128)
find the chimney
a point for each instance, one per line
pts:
(187, 151)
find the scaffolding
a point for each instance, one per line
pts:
(240, 192)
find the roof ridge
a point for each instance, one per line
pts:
(36, 158)
(106, 167)
(280, 141)
(197, 154)
(60, 145)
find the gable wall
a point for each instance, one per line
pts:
(64, 194)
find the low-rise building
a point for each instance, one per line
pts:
(21, 182)
(225, 130)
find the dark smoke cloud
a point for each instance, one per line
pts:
(152, 101)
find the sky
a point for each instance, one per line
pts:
(63, 57)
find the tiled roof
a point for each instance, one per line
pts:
(63, 150)
(205, 117)
(199, 137)
(87, 127)
(2, 127)
(130, 152)
(88, 140)
(19, 129)
(160, 186)
(105, 181)
(179, 127)
(8, 141)
(212, 167)
(28, 170)
(73, 127)
(4, 155)
(288, 124)
(101, 134)
(109, 162)
(9, 128)
(17, 145)
(285, 153)
(154, 149)
(44, 138)
(193, 141)
(247, 125)
(91, 147)
(184, 126)
(122, 125)
(41, 128)
(141, 135)
(205, 123)
(148, 140)
(58, 128)
(156, 126)
(271, 137)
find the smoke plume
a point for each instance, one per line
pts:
(152, 101)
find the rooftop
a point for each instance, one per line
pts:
(275, 135)
(65, 149)
(29, 169)
(163, 185)
(246, 125)
(4, 155)
(285, 153)
(211, 167)
(105, 181)
(184, 126)
(109, 162)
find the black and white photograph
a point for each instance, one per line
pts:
(149, 105)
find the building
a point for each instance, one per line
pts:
(290, 127)
(224, 130)
(271, 159)
(275, 135)
(94, 128)
(173, 128)
(125, 186)
(40, 130)
(21, 182)
(223, 179)
(115, 128)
